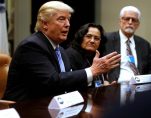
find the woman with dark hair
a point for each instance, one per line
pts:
(88, 39)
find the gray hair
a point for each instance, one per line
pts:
(130, 8)
(48, 9)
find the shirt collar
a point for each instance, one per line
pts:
(124, 38)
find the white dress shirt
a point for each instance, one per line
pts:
(125, 71)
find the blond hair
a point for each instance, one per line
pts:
(48, 9)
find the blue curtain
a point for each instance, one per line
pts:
(3, 29)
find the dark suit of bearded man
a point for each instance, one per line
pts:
(35, 72)
(143, 52)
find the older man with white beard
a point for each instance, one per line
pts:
(140, 57)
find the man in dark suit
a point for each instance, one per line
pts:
(129, 21)
(35, 70)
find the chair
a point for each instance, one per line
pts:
(4, 66)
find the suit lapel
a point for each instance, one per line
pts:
(138, 53)
(48, 47)
(116, 42)
(117, 46)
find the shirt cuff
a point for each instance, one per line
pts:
(89, 76)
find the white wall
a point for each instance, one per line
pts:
(108, 14)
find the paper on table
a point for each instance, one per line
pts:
(9, 113)
(66, 100)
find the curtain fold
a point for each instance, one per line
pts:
(4, 46)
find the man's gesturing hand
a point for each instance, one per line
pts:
(104, 64)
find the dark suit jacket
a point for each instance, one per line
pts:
(78, 59)
(143, 51)
(81, 59)
(34, 71)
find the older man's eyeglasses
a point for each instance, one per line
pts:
(127, 19)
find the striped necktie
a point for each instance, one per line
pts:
(61, 63)
(131, 60)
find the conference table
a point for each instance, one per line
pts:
(97, 101)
